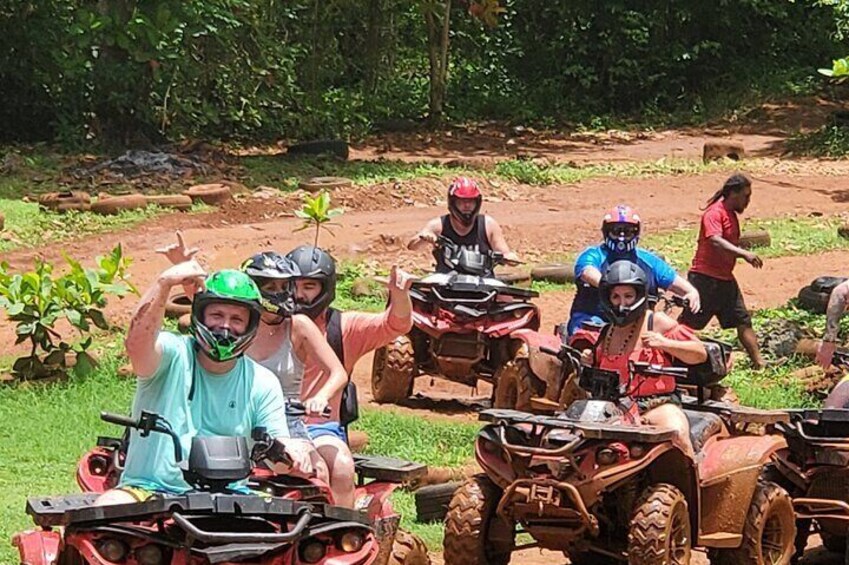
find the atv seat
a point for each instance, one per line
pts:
(703, 425)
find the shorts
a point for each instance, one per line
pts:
(719, 298)
(333, 429)
(646, 403)
(297, 428)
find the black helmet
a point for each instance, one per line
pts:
(271, 265)
(315, 263)
(623, 272)
(229, 287)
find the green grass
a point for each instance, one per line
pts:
(828, 141)
(27, 226)
(790, 236)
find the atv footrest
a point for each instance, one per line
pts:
(388, 468)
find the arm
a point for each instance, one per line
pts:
(588, 266)
(834, 311)
(682, 287)
(427, 236)
(400, 308)
(140, 343)
(676, 340)
(496, 239)
(720, 243)
(311, 344)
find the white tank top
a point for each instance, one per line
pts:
(286, 365)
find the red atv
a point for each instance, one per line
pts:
(294, 523)
(600, 488)
(466, 326)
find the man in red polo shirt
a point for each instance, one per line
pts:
(713, 265)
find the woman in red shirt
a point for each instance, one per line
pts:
(635, 333)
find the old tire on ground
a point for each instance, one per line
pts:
(65, 200)
(335, 147)
(174, 201)
(756, 238)
(317, 184)
(813, 300)
(357, 440)
(408, 549)
(393, 371)
(178, 305)
(659, 533)
(769, 534)
(843, 231)
(474, 534)
(117, 204)
(212, 194)
(555, 272)
(514, 385)
(722, 148)
(432, 501)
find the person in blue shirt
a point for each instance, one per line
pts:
(202, 384)
(621, 230)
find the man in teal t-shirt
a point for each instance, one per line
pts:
(203, 384)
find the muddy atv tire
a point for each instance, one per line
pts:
(474, 534)
(393, 371)
(752, 239)
(660, 528)
(514, 386)
(408, 549)
(769, 534)
(432, 501)
(813, 300)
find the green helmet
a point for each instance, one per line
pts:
(230, 287)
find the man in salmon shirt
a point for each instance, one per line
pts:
(713, 265)
(352, 335)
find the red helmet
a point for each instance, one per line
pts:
(466, 189)
(621, 229)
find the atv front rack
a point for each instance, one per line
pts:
(387, 469)
(80, 509)
(584, 430)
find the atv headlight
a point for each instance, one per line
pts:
(113, 550)
(351, 542)
(150, 554)
(312, 551)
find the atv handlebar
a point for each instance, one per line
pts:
(146, 423)
(297, 409)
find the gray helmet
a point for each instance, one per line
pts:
(315, 263)
(271, 265)
(623, 272)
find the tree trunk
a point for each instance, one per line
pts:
(437, 40)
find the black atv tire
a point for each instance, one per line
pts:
(335, 147)
(812, 300)
(408, 549)
(393, 371)
(432, 501)
(752, 239)
(514, 385)
(660, 528)
(770, 514)
(469, 522)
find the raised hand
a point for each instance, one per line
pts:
(178, 252)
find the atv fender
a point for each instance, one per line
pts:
(37, 547)
(728, 474)
(373, 498)
(544, 366)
